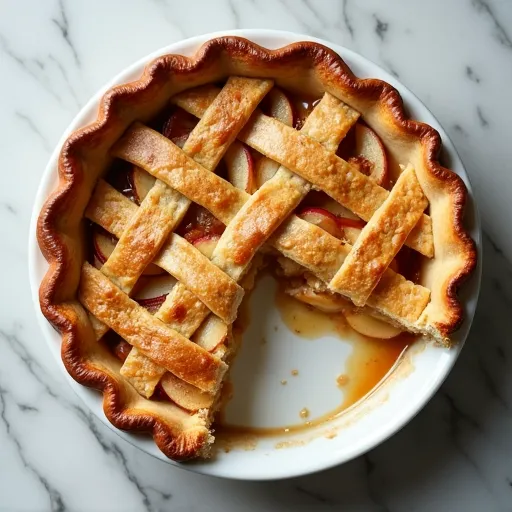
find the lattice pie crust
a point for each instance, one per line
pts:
(186, 345)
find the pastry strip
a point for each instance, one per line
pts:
(207, 148)
(381, 239)
(269, 206)
(157, 155)
(152, 337)
(320, 166)
(304, 243)
(183, 261)
(322, 254)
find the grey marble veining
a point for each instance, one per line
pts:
(455, 455)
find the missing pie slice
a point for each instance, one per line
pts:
(191, 176)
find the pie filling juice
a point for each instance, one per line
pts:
(370, 361)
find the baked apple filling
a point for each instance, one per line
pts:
(247, 169)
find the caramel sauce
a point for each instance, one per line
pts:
(370, 361)
(342, 380)
(304, 413)
(306, 321)
(371, 358)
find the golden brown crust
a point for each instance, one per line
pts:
(85, 156)
(221, 124)
(154, 153)
(330, 122)
(275, 200)
(257, 220)
(144, 234)
(152, 337)
(343, 181)
(179, 258)
(381, 239)
(323, 254)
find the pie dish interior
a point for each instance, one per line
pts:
(303, 68)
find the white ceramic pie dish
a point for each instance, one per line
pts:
(257, 373)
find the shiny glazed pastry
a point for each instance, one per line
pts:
(205, 168)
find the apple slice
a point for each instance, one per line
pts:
(194, 233)
(324, 301)
(322, 200)
(345, 222)
(323, 219)
(183, 394)
(152, 291)
(150, 287)
(178, 126)
(372, 327)
(240, 166)
(344, 217)
(103, 245)
(265, 169)
(277, 104)
(351, 233)
(180, 141)
(206, 244)
(370, 154)
(122, 349)
(141, 183)
(349, 224)
(153, 304)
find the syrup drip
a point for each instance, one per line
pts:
(370, 361)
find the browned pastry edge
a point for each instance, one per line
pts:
(58, 238)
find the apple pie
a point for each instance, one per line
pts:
(194, 176)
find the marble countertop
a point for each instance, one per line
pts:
(455, 455)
